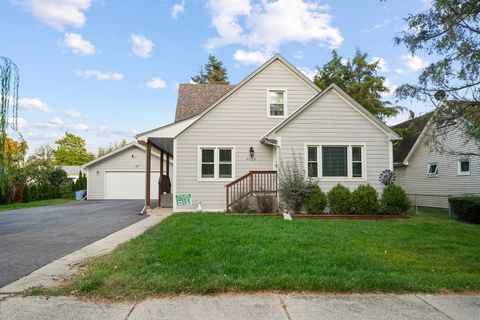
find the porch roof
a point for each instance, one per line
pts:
(165, 144)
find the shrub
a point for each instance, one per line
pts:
(292, 187)
(466, 208)
(315, 201)
(365, 200)
(339, 199)
(65, 190)
(394, 200)
(240, 206)
(266, 203)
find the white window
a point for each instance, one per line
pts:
(335, 161)
(216, 163)
(432, 169)
(277, 106)
(463, 167)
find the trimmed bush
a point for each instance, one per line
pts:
(394, 200)
(315, 201)
(339, 199)
(466, 208)
(365, 200)
(240, 206)
(266, 203)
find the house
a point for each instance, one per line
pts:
(428, 176)
(73, 172)
(228, 141)
(120, 174)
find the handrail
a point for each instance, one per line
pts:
(249, 184)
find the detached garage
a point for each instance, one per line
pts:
(120, 175)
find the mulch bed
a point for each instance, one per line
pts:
(327, 216)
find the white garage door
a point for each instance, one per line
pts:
(129, 185)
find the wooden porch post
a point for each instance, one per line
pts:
(160, 191)
(168, 165)
(148, 172)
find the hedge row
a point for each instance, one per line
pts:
(466, 208)
(363, 200)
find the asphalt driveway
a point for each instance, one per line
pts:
(31, 238)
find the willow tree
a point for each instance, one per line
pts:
(9, 79)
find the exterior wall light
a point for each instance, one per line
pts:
(252, 153)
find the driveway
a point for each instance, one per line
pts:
(31, 238)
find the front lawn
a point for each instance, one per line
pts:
(210, 253)
(39, 203)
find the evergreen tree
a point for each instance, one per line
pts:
(213, 72)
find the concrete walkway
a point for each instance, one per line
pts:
(251, 307)
(54, 273)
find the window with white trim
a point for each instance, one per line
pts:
(432, 169)
(276, 103)
(216, 163)
(337, 161)
(463, 167)
(312, 161)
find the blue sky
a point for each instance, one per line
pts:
(108, 69)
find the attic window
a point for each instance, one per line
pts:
(432, 169)
(276, 103)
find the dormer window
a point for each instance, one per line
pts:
(277, 102)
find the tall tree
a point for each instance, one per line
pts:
(360, 80)
(449, 30)
(71, 151)
(213, 72)
(15, 149)
(9, 81)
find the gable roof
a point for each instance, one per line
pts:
(111, 154)
(417, 124)
(276, 57)
(172, 127)
(377, 122)
(195, 98)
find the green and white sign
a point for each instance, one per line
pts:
(184, 199)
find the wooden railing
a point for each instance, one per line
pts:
(257, 181)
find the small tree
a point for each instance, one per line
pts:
(293, 187)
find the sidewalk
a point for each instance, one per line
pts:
(251, 307)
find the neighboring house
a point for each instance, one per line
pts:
(428, 176)
(222, 133)
(120, 174)
(73, 172)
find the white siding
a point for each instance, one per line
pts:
(332, 120)
(131, 159)
(413, 178)
(239, 121)
(167, 131)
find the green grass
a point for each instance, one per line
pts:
(39, 203)
(212, 253)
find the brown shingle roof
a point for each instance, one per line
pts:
(193, 99)
(404, 146)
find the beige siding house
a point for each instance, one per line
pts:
(430, 177)
(226, 135)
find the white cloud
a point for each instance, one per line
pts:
(298, 55)
(399, 70)
(391, 88)
(381, 63)
(81, 127)
(310, 73)
(344, 61)
(78, 45)
(58, 14)
(414, 63)
(73, 113)
(99, 75)
(265, 26)
(104, 131)
(141, 46)
(251, 57)
(177, 9)
(156, 83)
(22, 123)
(34, 104)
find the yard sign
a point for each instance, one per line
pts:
(184, 199)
